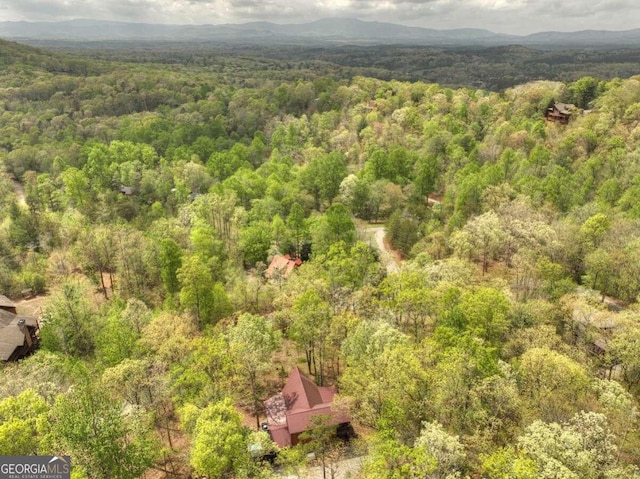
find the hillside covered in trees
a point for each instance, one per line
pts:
(490, 68)
(155, 195)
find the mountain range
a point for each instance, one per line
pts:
(325, 31)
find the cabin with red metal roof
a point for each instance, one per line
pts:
(281, 266)
(289, 413)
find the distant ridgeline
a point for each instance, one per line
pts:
(326, 31)
(342, 48)
(12, 53)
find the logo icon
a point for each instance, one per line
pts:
(35, 467)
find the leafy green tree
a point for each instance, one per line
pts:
(76, 186)
(99, 251)
(583, 447)
(136, 263)
(257, 150)
(320, 440)
(206, 243)
(461, 366)
(117, 341)
(428, 169)
(255, 241)
(206, 374)
(195, 177)
(219, 212)
(23, 423)
(252, 341)
(298, 227)
(168, 336)
(292, 460)
(506, 463)
(70, 325)
(280, 233)
(47, 373)
(363, 197)
(48, 193)
(619, 405)
(170, 264)
(486, 312)
(482, 236)
(122, 329)
(349, 268)
(469, 195)
(410, 300)
(247, 184)
(207, 300)
(625, 349)
(379, 165)
(609, 192)
(322, 177)
(601, 270)
(593, 229)
(392, 459)
(92, 427)
(334, 226)
(386, 378)
(25, 228)
(446, 449)
(403, 230)
(539, 158)
(311, 319)
(142, 383)
(225, 163)
(219, 447)
(584, 91)
(501, 405)
(547, 379)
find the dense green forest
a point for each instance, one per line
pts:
(506, 344)
(489, 68)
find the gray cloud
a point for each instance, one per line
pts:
(510, 16)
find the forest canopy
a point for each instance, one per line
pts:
(493, 332)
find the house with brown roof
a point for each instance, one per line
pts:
(290, 412)
(18, 336)
(281, 266)
(560, 112)
(7, 305)
(127, 190)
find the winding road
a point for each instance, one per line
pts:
(387, 256)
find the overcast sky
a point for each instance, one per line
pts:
(506, 16)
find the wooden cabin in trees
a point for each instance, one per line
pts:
(290, 412)
(560, 112)
(18, 334)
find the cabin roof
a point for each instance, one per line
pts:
(12, 335)
(6, 302)
(290, 411)
(283, 265)
(565, 108)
